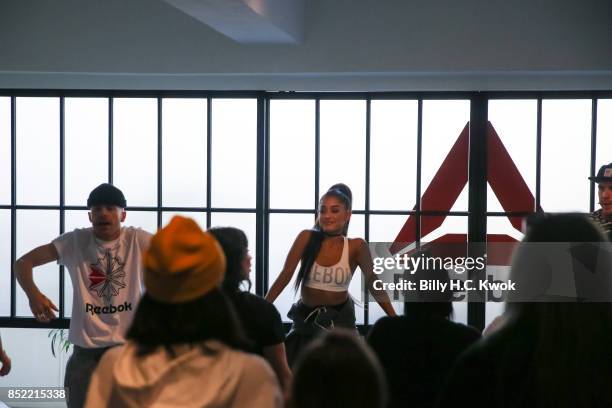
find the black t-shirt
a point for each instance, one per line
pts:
(260, 319)
(417, 354)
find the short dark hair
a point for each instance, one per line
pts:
(209, 317)
(338, 370)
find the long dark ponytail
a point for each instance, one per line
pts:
(343, 193)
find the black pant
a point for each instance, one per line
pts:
(79, 369)
(310, 321)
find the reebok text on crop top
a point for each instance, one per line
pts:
(335, 278)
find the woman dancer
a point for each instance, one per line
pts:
(328, 259)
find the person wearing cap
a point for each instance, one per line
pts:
(106, 273)
(184, 344)
(603, 216)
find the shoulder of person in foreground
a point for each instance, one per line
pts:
(258, 385)
(101, 385)
(260, 315)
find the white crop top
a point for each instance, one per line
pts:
(335, 278)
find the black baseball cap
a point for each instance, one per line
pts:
(106, 194)
(603, 175)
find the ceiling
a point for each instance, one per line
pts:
(307, 45)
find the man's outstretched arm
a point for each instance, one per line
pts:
(41, 306)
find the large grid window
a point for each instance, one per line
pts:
(260, 162)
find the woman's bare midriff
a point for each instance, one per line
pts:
(317, 297)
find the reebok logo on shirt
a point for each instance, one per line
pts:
(107, 276)
(96, 310)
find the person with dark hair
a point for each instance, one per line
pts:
(260, 319)
(603, 216)
(338, 370)
(106, 274)
(418, 349)
(184, 344)
(554, 347)
(327, 261)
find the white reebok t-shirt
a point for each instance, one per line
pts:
(106, 281)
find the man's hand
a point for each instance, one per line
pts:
(6, 363)
(42, 308)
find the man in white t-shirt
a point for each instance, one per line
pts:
(104, 262)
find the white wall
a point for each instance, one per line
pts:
(349, 45)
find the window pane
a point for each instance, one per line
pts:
(384, 228)
(245, 222)
(284, 228)
(35, 228)
(292, 153)
(146, 220)
(5, 150)
(198, 217)
(515, 122)
(342, 147)
(443, 122)
(5, 262)
(604, 137)
(86, 147)
(234, 153)
(393, 148)
(37, 151)
(184, 152)
(135, 150)
(566, 155)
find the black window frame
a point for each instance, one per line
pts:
(477, 204)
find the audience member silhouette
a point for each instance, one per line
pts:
(338, 369)
(418, 349)
(554, 348)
